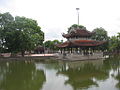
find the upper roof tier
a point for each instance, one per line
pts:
(78, 33)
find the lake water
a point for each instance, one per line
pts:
(59, 75)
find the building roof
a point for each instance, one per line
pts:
(81, 43)
(78, 33)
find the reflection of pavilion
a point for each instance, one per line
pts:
(79, 45)
(85, 75)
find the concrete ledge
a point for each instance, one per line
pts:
(78, 57)
(25, 58)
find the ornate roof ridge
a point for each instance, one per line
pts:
(78, 33)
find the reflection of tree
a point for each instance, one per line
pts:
(113, 64)
(118, 78)
(82, 76)
(20, 76)
(51, 64)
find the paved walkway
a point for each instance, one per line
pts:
(8, 55)
(41, 55)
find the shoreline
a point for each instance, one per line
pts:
(43, 57)
(28, 57)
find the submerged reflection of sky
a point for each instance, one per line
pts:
(53, 81)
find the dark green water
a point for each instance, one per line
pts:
(58, 75)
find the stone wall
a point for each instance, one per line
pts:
(97, 55)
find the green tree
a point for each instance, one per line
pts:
(118, 38)
(55, 42)
(100, 34)
(76, 26)
(52, 44)
(5, 20)
(23, 35)
(114, 44)
(20, 34)
(48, 44)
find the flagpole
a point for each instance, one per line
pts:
(78, 14)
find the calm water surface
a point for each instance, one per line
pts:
(58, 75)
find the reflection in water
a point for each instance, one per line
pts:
(84, 74)
(118, 78)
(58, 75)
(20, 76)
(53, 81)
(115, 65)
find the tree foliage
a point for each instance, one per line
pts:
(76, 26)
(100, 34)
(52, 44)
(5, 20)
(114, 43)
(20, 34)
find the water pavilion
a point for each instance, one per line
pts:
(80, 45)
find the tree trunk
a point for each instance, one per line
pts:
(1, 55)
(22, 53)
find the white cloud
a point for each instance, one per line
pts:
(55, 16)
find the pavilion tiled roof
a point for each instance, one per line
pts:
(81, 43)
(78, 33)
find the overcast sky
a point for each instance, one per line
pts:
(55, 16)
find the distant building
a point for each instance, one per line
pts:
(39, 49)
